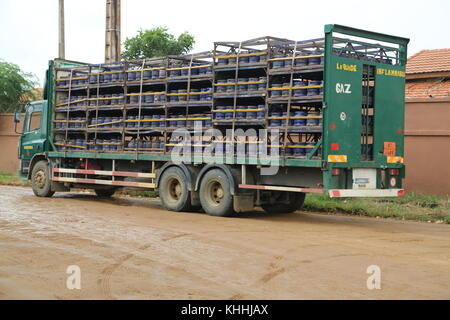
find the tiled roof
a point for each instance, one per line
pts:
(428, 89)
(437, 60)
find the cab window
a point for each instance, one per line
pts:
(35, 121)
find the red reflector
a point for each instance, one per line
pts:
(332, 126)
(401, 193)
(393, 182)
(336, 193)
(335, 146)
(335, 171)
(394, 172)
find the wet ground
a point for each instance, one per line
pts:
(130, 248)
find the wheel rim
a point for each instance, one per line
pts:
(39, 179)
(215, 193)
(174, 190)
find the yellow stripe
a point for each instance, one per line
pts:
(239, 110)
(243, 55)
(297, 57)
(337, 158)
(238, 83)
(68, 79)
(192, 67)
(295, 88)
(394, 159)
(278, 118)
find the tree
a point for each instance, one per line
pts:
(157, 42)
(16, 87)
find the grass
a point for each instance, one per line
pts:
(412, 206)
(11, 179)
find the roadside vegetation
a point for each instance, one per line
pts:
(11, 179)
(412, 206)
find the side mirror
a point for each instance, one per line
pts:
(17, 115)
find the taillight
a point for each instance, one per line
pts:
(336, 171)
(394, 172)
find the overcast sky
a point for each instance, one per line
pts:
(29, 28)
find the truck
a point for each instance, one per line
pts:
(255, 123)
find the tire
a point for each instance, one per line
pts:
(296, 200)
(40, 179)
(173, 190)
(215, 194)
(105, 193)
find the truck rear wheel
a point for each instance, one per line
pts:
(173, 190)
(40, 179)
(215, 194)
(296, 200)
(105, 193)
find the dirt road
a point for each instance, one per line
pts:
(132, 249)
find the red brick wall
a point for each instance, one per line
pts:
(8, 141)
(427, 146)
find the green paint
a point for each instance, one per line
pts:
(343, 100)
(34, 140)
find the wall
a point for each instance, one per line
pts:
(9, 141)
(427, 145)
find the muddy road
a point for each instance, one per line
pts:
(130, 248)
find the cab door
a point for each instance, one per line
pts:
(33, 137)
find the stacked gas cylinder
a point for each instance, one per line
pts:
(297, 118)
(300, 88)
(134, 106)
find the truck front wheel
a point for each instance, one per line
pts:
(295, 202)
(173, 190)
(215, 194)
(40, 179)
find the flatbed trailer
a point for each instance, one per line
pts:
(260, 122)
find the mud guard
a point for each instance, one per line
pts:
(243, 203)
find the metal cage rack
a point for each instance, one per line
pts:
(273, 83)
(134, 106)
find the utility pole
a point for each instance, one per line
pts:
(62, 44)
(112, 34)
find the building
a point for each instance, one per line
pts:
(427, 122)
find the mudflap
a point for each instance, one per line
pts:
(243, 203)
(59, 187)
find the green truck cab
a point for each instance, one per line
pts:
(356, 152)
(34, 137)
